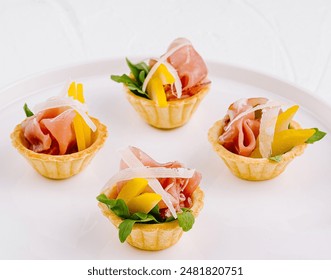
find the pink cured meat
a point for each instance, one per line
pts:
(50, 131)
(241, 137)
(38, 141)
(180, 189)
(189, 65)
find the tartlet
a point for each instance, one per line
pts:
(237, 138)
(165, 228)
(59, 140)
(166, 91)
(153, 237)
(60, 166)
(252, 169)
(176, 114)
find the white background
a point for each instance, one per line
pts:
(289, 39)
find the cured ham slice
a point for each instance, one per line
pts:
(189, 65)
(60, 128)
(180, 189)
(50, 131)
(37, 139)
(241, 136)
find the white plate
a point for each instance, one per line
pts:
(288, 217)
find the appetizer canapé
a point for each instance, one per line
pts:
(151, 203)
(256, 139)
(59, 138)
(167, 90)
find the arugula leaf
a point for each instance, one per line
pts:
(118, 206)
(130, 83)
(125, 79)
(125, 229)
(27, 111)
(139, 72)
(126, 226)
(155, 212)
(121, 209)
(142, 66)
(134, 70)
(318, 135)
(139, 216)
(104, 199)
(185, 219)
(142, 77)
(276, 158)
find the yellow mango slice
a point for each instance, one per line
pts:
(155, 88)
(287, 139)
(132, 188)
(165, 76)
(82, 130)
(78, 125)
(285, 118)
(86, 128)
(156, 91)
(79, 131)
(79, 93)
(144, 202)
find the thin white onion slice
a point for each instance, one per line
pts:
(178, 83)
(267, 130)
(269, 104)
(132, 161)
(65, 101)
(161, 60)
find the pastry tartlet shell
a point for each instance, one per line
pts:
(176, 114)
(60, 166)
(252, 169)
(153, 237)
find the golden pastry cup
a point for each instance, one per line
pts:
(176, 114)
(153, 237)
(60, 166)
(252, 169)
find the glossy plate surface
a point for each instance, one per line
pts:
(288, 217)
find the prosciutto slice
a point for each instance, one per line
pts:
(241, 136)
(190, 66)
(37, 139)
(50, 131)
(180, 189)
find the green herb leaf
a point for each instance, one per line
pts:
(104, 199)
(142, 66)
(186, 219)
(27, 111)
(155, 212)
(125, 229)
(125, 79)
(139, 216)
(139, 72)
(130, 83)
(276, 158)
(143, 218)
(121, 209)
(118, 206)
(318, 135)
(142, 77)
(134, 70)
